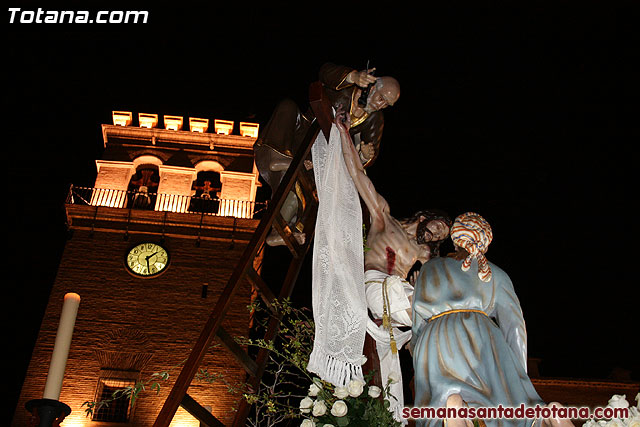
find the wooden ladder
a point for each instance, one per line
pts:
(245, 271)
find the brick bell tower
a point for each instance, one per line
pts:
(152, 244)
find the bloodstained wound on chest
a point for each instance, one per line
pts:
(391, 260)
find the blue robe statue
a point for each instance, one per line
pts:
(469, 338)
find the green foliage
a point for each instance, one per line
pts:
(131, 392)
(153, 384)
(290, 383)
(286, 382)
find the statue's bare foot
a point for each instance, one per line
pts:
(455, 401)
(300, 237)
(274, 238)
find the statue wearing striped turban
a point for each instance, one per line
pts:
(469, 336)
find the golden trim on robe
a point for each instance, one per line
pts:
(355, 121)
(343, 82)
(460, 310)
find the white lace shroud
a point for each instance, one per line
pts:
(338, 292)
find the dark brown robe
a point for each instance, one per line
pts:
(287, 126)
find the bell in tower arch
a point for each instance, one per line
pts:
(143, 186)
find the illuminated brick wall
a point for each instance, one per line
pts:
(145, 323)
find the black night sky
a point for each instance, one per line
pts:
(511, 112)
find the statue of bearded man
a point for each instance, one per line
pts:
(282, 136)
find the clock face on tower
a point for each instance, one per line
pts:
(147, 259)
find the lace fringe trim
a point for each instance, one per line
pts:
(337, 372)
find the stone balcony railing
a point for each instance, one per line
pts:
(144, 200)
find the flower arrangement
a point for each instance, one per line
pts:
(356, 404)
(283, 394)
(619, 401)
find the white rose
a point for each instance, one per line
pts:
(319, 408)
(308, 423)
(618, 401)
(393, 377)
(615, 423)
(355, 388)
(314, 389)
(339, 408)
(590, 423)
(374, 391)
(341, 392)
(305, 405)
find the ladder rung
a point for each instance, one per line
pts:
(200, 413)
(306, 183)
(284, 230)
(240, 353)
(265, 292)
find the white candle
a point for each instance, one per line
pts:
(61, 347)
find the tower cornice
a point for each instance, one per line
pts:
(154, 135)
